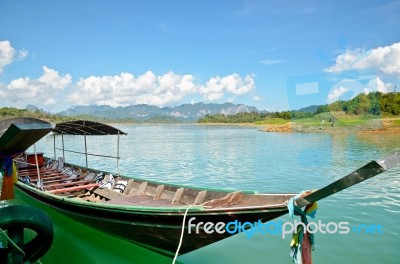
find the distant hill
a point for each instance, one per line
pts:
(148, 113)
(309, 109)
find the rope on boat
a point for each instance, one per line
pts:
(302, 242)
(183, 231)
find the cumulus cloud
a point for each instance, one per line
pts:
(126, 89)
(257, 98)
(159, 90)
(376, 84)
(6, 54)
(39, 91)
(335, 94)
(385, 60)
(217, 87)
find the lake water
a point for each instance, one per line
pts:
(243, 158)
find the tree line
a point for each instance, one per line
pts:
(374, 104)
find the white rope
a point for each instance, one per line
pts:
(12, 242)
(183, 231)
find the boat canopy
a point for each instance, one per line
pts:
(85, 127)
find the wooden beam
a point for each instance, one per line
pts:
(67, 184)
(75, 188)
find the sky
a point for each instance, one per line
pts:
(274, 55)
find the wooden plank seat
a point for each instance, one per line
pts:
(67, 184)
(23, 171)
(49, 178)
(43, 173)
(64, 179)
(48, 175)
(34, 177)
(74, 188)
(31, 169)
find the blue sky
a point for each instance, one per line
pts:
(274, 55)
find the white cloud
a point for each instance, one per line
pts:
(163, 90)
(385, 60)
(335, 94)
(43, 90)
(126, 89)
(271, 62)
(257, 98)
(217, 87)
(22, 54)
(6, 54)
(377, 84)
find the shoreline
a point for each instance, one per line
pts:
(373, 126)
(294, 127)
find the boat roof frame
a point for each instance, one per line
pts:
(86, 128)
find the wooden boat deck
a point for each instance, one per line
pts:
(139, 192)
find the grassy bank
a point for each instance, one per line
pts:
(345, 124)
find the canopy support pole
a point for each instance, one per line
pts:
(86, 153)
(62, 139)
(54, 145)
(118, 154)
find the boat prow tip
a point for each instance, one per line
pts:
(390, 161)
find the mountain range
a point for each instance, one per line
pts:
(148, 113)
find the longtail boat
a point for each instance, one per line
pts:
(152, 214)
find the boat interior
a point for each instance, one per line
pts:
(57, 177)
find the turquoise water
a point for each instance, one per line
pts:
(243, 158)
